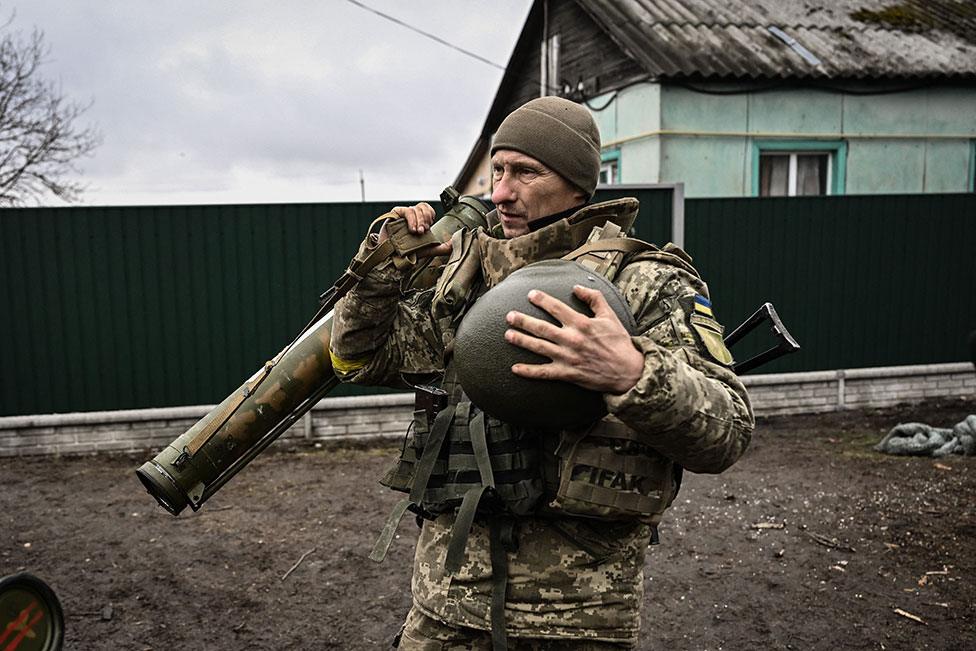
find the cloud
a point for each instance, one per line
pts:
(274, 100)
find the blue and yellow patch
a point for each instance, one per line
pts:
(703, 306)
(710, 331)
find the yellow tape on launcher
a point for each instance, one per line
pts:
(194, 466)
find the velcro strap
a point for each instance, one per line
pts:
(389, 530)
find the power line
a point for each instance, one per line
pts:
(427, 34)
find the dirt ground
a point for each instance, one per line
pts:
(812, 541)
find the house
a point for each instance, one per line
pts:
(757, 97)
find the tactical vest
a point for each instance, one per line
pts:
(460, 459)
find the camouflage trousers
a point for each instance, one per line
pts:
(423, 633)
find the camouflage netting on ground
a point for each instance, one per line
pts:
(923, 440)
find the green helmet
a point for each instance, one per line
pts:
(484, 359)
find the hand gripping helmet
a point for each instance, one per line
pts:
(484, 359)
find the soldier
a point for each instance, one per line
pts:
(547, 551)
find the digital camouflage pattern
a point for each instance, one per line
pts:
(569, 577)
(590, 588)
(501, 257)
(420, 631)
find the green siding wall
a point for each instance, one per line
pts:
(859, 281)
(904, 142)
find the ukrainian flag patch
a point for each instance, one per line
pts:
(703, 306)
(710, 331)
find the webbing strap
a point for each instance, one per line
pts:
(382, 544)
(606, 459)
(469, 505)
(630, 502)
(461, 528)
(626, 245)
(215, 422)
(500, 537)
(462, 416)
(479, 445)
(433, 448)
(510, 492)
(467, 462)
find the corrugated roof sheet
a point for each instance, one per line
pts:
(852, 39)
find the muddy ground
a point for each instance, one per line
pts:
(812, 541)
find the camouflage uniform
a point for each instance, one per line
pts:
(568, 577)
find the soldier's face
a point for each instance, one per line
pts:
(523, 190)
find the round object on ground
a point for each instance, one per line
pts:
(484, 359)
(31, 618)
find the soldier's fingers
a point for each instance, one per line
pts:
(562, 312)
(409, 214)
(595, 299)
(532, 325)
(532, 344)
(421, 216)
(426, 213)
(550, 371)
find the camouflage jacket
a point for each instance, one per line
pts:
(569, 577)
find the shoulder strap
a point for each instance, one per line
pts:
(605, 248)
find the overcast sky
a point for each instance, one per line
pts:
(248, 101)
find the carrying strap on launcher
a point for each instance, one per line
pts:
(400, 244)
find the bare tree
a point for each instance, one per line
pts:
(39, 139)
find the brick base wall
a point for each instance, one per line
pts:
(386, 417)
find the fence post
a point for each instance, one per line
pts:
(678, 214)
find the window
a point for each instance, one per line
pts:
(796, 169)
(793, 174)
(610, 167)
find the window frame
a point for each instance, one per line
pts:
(972, 165)
(611, 157)
(836, 163)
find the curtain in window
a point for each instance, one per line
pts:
(811, 174)
(774, 175)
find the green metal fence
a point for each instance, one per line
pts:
(110, 308)
(113, 308)
(860, 281)
(130, 307)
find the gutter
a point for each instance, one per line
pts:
(786, 134)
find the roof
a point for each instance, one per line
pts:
(844, 39)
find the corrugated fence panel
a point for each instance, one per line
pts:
(860, 281)
(653, 223)
(128, 307)
(115, 308)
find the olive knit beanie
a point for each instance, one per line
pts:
(558, 133)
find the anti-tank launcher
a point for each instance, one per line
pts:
(198, 463)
